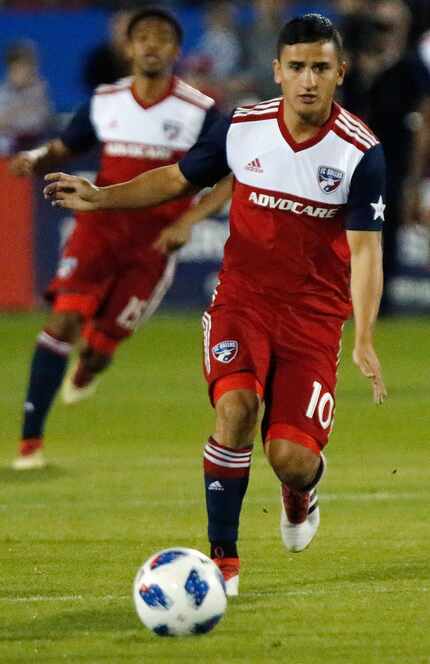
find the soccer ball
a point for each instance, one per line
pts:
(178, 592)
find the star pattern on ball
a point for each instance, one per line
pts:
(379, 209)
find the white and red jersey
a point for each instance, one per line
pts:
(135, 137)
(292, 203)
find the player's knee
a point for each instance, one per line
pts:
(65, 325)
(94, 361)
(237, 412)
(294, 464)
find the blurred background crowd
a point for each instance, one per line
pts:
(57, 51)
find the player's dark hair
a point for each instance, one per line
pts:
(308, 29)
(23, 50)
(156, 12)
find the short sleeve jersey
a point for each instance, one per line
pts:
(135, 138)
(292, 203)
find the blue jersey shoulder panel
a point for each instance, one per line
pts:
(206, 163)
(79, 135)
(366, 200)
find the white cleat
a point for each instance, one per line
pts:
(71, 394)
(30, 461)
(298, 536)
(229, 568)
(232, 586)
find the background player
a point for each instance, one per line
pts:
(110, 276)
(304, 249)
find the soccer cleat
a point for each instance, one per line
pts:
(300, 518)
(230, 570)
(71, 393)
(30, 456)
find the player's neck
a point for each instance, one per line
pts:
(303, 129)
(150, 89)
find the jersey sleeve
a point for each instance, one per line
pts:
(206, 163)
(366, 200)
(79, 135)
(212, 116)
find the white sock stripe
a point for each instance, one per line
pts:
(228, 459)
(233, 454)
(60, 347)
(218, 462)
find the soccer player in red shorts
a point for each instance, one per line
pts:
(304, 251)
(110, 276)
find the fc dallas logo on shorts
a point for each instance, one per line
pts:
(225, 351)
(329, 178)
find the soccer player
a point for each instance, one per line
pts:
(304, 250)
(110, 277)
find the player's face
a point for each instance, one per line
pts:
(153, 47)
(309, 75)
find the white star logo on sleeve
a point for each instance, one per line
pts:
(379, 208)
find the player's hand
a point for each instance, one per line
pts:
(22, 164)
(365, 358)
(173, 237)
(72, 192)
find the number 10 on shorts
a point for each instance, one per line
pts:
(322, 403)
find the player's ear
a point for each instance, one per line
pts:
(276, 71)
(128, 50)
(341, 73)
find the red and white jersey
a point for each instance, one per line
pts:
(137, 137)
(292, 203)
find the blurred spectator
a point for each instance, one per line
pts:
(260, 46)
(25, 110)
(108, 62)
(214, 66)
(197, 71)
(399, 114)
(220, 42)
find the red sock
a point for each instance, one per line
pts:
(30, 445)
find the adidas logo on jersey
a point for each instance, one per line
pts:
(215, 486)
(254, 166)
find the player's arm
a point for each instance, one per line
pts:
(366, 291)
(204, 165)
(175, 236)
(146, 190)
(78, 137)
(363, 227)
(36, 161)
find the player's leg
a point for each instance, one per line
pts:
(131, 300)
(299, 415)
(299, 469)
(236, 352)
(96, 349)
(82, 277)
(48, 365)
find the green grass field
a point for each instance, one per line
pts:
(125, 480)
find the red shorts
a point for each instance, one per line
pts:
(106, 277)
(294, 357)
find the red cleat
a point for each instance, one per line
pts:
(230, 568)
(30, 455)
